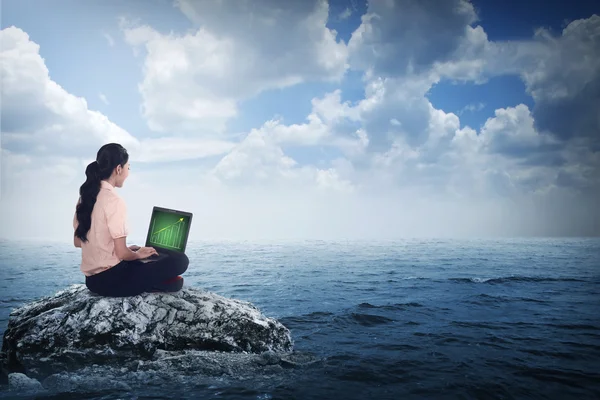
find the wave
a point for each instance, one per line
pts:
(359, 316)
(369, 319)
(361, 319)
(12, 300)
(534, 325)
(486, 298)
(492, 280)
(397, 306)
(507, 279)
(313, 317)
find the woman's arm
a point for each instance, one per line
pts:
(76, 241)
(123, 252)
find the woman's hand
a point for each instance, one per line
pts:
(134, 247)
(145, 252)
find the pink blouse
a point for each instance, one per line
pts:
(109, 222)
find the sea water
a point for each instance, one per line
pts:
(410, 319)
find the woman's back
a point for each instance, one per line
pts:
(109, 222)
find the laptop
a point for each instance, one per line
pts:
(168, 230)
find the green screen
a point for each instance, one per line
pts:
(168, 230)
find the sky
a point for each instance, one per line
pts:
(301, 120)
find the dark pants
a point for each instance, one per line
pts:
(130, 278)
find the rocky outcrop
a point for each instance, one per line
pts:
(76, 329)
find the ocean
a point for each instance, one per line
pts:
(411, 319)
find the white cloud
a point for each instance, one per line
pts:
(103, 98)
(260, 160)
(561, 73)
(512, 132)
(257, 159)
(330, 108)
(40, 118)
(109, 39)
(194, 81)
(345, 14)
(177, 149)
(39, 113)
(570, 62)
(472, 107)
(470, 59)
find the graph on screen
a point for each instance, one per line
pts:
(168, 230)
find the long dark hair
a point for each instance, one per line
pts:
(109, 156)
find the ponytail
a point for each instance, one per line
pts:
(109, 156)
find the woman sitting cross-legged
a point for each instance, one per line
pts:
(100, 222)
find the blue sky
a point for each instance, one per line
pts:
(109, 53)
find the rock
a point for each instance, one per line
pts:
(22, 383)
(76, 328)
(3, 369)
(270, 357)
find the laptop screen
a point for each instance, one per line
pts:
(169, 229)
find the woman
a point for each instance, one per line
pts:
(100, 222)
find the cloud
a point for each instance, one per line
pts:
(565, 81)
(408, 36)
(561, 73)
(255, 158)
(396, 107)
(109, 39)
(40, 118)
(474, 59)
(177, 149)
(472, 107)
(38, 115)
(103, 98)
(395, 166)
(345, 14)
(260, 160)
(194, 81)
(392, 109)
(512, 133)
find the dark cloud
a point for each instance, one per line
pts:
(565, 82)
(409, 34)
(551, 158)
(530, 153)
(572, 116)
